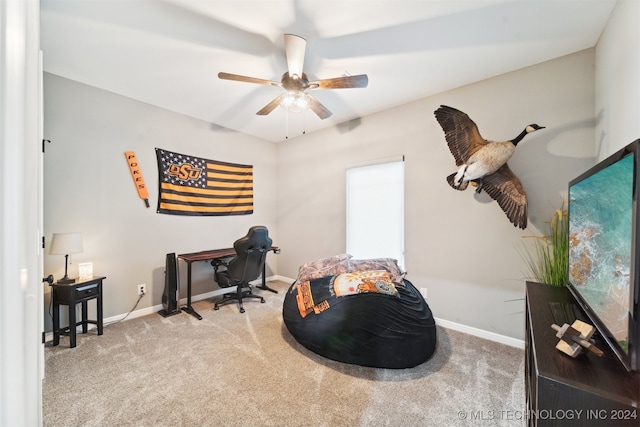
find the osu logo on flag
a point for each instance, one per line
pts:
(185, 171)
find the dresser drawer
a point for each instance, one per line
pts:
(86, 291)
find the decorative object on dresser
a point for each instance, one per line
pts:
(575, 337)
(66, 244)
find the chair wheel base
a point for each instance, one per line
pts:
(232, 298)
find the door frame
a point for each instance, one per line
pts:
(21, 291)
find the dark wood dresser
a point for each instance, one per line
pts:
(563, 391)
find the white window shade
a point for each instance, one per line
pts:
(375, 211)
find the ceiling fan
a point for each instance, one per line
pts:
(295, 82)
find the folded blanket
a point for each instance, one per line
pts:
(316, 295)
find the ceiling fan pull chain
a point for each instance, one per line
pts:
(286, 125)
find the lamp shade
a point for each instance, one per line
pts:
(66, 243)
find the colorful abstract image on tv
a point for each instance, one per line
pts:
(601, 213)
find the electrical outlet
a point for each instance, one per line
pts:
(142, 289)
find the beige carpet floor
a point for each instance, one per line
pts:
(235, 369)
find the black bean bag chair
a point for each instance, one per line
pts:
(371, 329)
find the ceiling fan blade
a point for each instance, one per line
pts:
(346, 82)
(236, 77)
(294, 47)
(269, 107)
(320, 110)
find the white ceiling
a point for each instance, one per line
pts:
(168, 52)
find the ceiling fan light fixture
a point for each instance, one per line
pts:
(295, 101)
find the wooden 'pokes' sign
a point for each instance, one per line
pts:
(138, 180)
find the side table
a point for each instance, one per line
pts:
(71, 294)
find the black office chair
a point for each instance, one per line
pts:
(245, 266)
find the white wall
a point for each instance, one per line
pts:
(88, 188)
(461, 248)
(618, 80)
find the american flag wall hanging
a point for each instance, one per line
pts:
(190, 185)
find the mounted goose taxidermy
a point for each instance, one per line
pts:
(484, 162)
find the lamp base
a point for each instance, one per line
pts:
(65, 281)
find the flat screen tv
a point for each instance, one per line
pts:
(604, 239)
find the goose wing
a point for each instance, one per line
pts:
(505, 188)
(461, 133)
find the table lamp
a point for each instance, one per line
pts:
(66, 244)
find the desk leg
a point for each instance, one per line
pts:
(188, 309)
(264, 280)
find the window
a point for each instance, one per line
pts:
(375, 210)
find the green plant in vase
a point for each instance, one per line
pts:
(548, 261)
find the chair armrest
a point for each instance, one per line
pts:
(217, 262)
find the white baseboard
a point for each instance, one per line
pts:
(492, 336)
(282, 278)
(183, 301)
(481, 333)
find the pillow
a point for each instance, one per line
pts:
(323, 267)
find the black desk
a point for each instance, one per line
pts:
(210, 255)
(71, 294)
